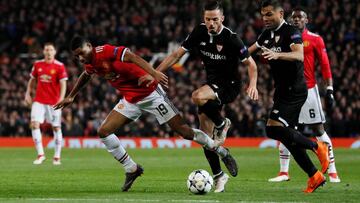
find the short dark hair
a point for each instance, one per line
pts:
(299, 8)
(50, 44)
(273, 3)
(77, 41)
(213, 5)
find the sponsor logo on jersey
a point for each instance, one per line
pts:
(45, 78)
(276, 49)
(213, 56)
(219, 47)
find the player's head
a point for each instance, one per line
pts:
(272, 13)
(299, 18)
(49, 51)
(81, 49)
(213, 16)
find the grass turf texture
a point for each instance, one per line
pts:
(92, 175)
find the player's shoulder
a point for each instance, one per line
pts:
(313, 35)
(58, 63)
(228, 32)
(39, 62)
(201, 28)
(288, 28)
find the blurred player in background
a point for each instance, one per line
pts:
(311, 112)
(282, 47)
(49, 75)
(137, 81)
(220, 50)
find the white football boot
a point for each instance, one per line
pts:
(220, 183)
(39, 160)
(283, 176)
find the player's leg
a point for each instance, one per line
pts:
(220, 178)
(54, 117)
(207, 98)
(122, 114)
(37, 117)
(321, 135)
(284, 157)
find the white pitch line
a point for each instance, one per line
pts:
(102, 199)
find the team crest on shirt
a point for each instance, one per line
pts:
(219, 47)
(306, 43)
(52, 72)
(277, 38)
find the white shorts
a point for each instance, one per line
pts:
(311, 111)
(40, 112)
(157, 103)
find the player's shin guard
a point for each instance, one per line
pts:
(284, 155)
(58, 137)
(325, 138)
(36, 134)
(288, 135)
(213, 160)
(212, 110)
(114, 146)
(302, 159)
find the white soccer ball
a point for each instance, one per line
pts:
(199, 182)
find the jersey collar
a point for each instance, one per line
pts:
(222, 27)
(281, 23)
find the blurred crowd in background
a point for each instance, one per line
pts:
(147, 27)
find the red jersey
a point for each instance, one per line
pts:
(314, 48)
(48, 76)
(108, 63)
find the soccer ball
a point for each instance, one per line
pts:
(199, 182)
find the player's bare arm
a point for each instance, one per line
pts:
(296, 54)
(80, 83)
(30, 86)
(252, 71)
(159, 76)
(62, 89)
(171, 59)
(253, 48)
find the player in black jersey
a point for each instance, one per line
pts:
(220, 50)
(281, 45)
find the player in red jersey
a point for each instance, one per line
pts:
(311, 112)
(137, 81)
(50, 77)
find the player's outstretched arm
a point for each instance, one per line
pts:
(296, 54)
(253, 48)
(171, 59)
(30, 85)
(80, 83)
(252, 71)
(133, 58)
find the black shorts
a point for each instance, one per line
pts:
(226, 92)
(287, 106)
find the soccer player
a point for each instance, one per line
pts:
(49, 75)
(311, 112)
(137, 81)
(281, 45)
(220, 50)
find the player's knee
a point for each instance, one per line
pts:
(103, 132)
(34, 125)
(196, 97)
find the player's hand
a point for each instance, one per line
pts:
(252, 92)
(269, 54)
(28, 99)
(329, 99)
(64, 103)
(146, 80)
(161, 78)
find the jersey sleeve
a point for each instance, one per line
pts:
(320, 51)
(33, 73)
(192, 40)
(113, 52)
(62, 73)
(260, 41)
(239, 47)
(294, 36)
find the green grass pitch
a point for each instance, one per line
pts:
(92, 175)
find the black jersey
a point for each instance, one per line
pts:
(286, 74)
(220, 53)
